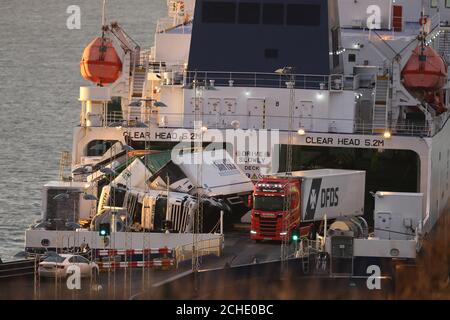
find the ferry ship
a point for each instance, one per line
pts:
(306, 84)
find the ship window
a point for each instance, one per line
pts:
(97, 148)
(271, 53)
(268, 203)
(352, 57)
(218, 12)
(273, 13)
(433, 3)
(160, 213)
(62, 209)
(116, 198)
(303, 15)
(249, 13)
(447, 3)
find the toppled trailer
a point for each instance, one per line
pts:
(146, 193)
(219, 178)
(156, 211)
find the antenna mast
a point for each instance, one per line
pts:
(104, 13)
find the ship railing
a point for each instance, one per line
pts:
(177, 24)
(306, 247)
(223, 121)
(308, 124)
(177, 8)
(114, 117)
(334, 82)
(352, 82)
(202, 248)
(399, 129)
(176, 75)
(401, 26)
(146, 55)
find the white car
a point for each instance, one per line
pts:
(57, 266)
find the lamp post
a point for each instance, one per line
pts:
(289, 73)
(199, 130)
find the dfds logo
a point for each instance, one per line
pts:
(329, 197)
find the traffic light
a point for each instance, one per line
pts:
(295, 236)
(105, 229)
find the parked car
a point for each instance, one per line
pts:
(57, 265)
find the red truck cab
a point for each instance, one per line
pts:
(273, 218)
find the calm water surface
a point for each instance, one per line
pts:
(39, 87)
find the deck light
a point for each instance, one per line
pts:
(104, 229)
(387, 135)
(204, 129)
(301, 132)
(295, 235)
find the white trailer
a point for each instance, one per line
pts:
(331, 192)
(134, 176)
(219, 176)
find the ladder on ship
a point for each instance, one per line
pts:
(139, 90)
(444, 44)
(306, 256)
(65, 163)
(139, 82)
(304, 252)
(380, 107)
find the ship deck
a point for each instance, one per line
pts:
(126, 283)
(409, 31)
(240, 253)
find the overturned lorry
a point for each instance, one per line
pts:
(149, 191)
(158, 194)
(157, 211)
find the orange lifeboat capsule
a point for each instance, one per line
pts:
(426, 71)
(100, 62)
